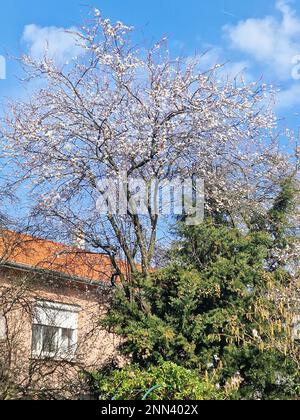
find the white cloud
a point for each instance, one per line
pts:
(229, 69)
(289, 97)
(236, 69)
(2, 68)
(59, 44)
(272, 40)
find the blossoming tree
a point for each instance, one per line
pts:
(118, 110)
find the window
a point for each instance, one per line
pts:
(3, 332)
(54, 330)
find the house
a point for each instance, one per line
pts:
(52, 297)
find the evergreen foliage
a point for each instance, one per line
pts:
(217, 309)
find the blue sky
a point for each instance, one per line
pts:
(260, 37)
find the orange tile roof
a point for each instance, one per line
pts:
(32, 252)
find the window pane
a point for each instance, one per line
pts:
(37, 338)
(50, 335)
(66, 341)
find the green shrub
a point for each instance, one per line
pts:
(165, 382)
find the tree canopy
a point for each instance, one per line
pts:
(122, 112)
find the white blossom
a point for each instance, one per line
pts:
(118, 109)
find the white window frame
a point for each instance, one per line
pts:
(61, 317)
(3, 328)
